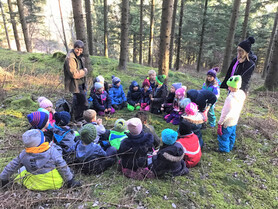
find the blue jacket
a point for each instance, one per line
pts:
(134, 97)
(101, 101)
(117, 95)
(145, 96)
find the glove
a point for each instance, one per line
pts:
(219, 130)
(73, 183)
(4, 183)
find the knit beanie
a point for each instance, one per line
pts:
(235, 81)
(115, 80)
(191, 109)
(98, 85)
(120, 125)
(38, 119)
(100, 79)
(33, 138)
(134, 126)
(212, 72)
(62, 118)
(246, 44)
(169, 136)
(184, 102)
(44, 102)
(88, 133)
(160, 79)
(177, 85)
(78, 44)
(89, 114)
(180, 92)
(185, 127)
(146, 82)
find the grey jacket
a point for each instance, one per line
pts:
(38, 163)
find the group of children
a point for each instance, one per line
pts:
(53, 150)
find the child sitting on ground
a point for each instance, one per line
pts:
(190, 144)
(100, 79)
(230, 114)
(169, 158)
(212, 84)
(117, 94)
(134, 96)
(90, 116)
(101, 101)
(151, 78)
(145, 95)
(158, 95)
(47, 104)
(167, 107)
(134, 149)
(92, 157)
(44, 167)
(147, 128)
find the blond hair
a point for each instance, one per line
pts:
(89, 115)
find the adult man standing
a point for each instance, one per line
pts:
(75, 79)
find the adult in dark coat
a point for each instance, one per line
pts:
(243, 64)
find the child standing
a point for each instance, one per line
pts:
(151, 78)
(134, 96)
(44, 167)
(47, 104)
(117, 94)
(167, 107)
(212, 84)
(230, 114)
(145, 95)
(90, 116)
(169, 158)
(159, 94)
(102, 101)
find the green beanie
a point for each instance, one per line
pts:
(160, 79)
(88, 133)
(235, 81)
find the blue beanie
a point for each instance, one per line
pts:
(38, 119)
(169, 136)
(177, 85)
(62, 118)
(115, 80)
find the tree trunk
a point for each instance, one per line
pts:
(141, 33)
(63, 28)
(80, 30)
(134, 48)
(230, 37)
(150, 59)
(270, 45)
(124, 35)
(5, 26)
(202, 36)
(179, 37)
(12, 15)
(105, 29)
(89, 25)
(271, 81)
(173, 33)
(24, 26)
(245, 22)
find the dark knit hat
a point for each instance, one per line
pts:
(169, 136)
(246, 44)
(185, 127)
(160, 79)
(146, 82)
(62, 118)
(38, 119)
(88, 133)
(78, 44)
(115, 80)
(212, 73)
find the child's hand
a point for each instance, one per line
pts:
(99, 121)
(109, 109)
(105, 110)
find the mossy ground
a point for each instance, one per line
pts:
(245, 178)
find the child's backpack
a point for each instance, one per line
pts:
(62, 105)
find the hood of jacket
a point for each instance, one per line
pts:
(133, 84)
(192, 94)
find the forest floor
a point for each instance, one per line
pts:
(247, 177)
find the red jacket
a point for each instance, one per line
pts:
(192, 149)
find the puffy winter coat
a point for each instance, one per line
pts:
(145, 96)
(134, 97)
(159, 96)
(117, 95)
(101, 101)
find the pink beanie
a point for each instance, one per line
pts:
(134, 126)
(44, 102)
(191, 109)
(180, 92)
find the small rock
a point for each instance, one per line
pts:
(165, 197)
(239, 201)
(174, 205)
(147, 192)
(95, 204)
(229, 160)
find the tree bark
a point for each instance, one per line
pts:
(246, 17)
(270, 45)
(12, 15)
(80, 30)
(124, 35)
(179, 36)
(5, 26)
(173, 33)
(150, 59)
(230, 37)
(134, 48)
(63, 28)
(105, 29)
(141, 33)
(89, 25)
(202, 36)
(271, 81)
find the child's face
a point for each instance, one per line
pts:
(210, 78)
(152, 77)
(146, 88)
(135, 88)
(49, 109)
(172, 90)
(118, 84)
(232, 89)
(99, 91)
